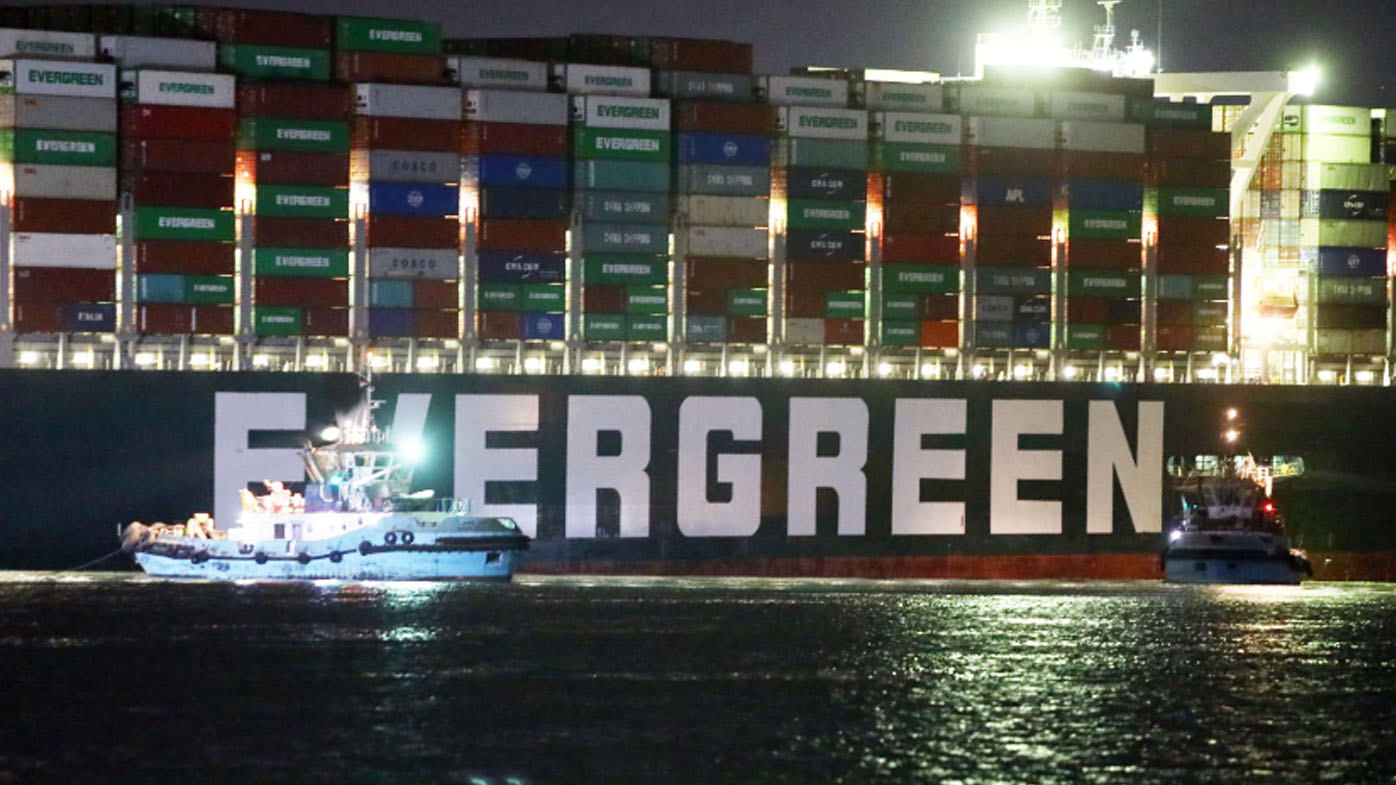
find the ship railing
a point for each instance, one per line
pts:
(458, 504)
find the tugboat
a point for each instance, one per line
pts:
(357, 520)
(1228, 529)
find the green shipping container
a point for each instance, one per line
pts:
(1170, 114)
(621, 144)
(400, 36)
(302, 201)
(624, 268)
(913, 157)
(1104, 225)
(900, 306)
(161, 288)
(826, 215)
(305, 136)
(921, 278)
(602, 327)
(1210, 339)
(70, 148)
(1085, 337)
(390, 294)
(1209, 313)
(499, 297)
(1331, 289)
(276, 320)
(831, 153)
(845, 305)
(1195, 202)
(275, 62)
(1315, 232)
(647, 328)
(645, 176)
(901, 333)
(301, 262)
(184, 223)
(208, 289)
(1175, 287)
(646, 300)
(746, 302)
(1211, 287)
(1106, 284)
(544, 297)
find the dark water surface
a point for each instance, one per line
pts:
(107, 677)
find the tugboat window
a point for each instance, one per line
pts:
(278, 531)
(491, 558)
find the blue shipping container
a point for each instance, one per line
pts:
(544, 326)
(389, 294)
(89, 317)
(803, 182)
(723, 148)
(1032, 335)
(1350, 205)
(1104, 195)
(535, 203)
(160, 288)
(519, 171)
(1359, 262)
(1008, 192)
(1033, 308)
(506, 267)
(413, 199)
(389, 322)
(830, 246)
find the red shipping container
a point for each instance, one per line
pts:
(276, 28)
(297, 100)
(174, 256)
(603, 299)
(900, 216)
(843, 332)
(1189, 173)
(940, 335)
(1122, 337)
(805, 301)
(1175, 313)
(302, 232)
(63, 285)
(921, 248)
(1087, 310)
(713, 273)
(514, 139)
(1003, 221)
(498, 325)
(705, 302)
(940, 307)
(406, 133)
(270, 167)
(1193, 261)
(1013, 251)
(917, 188)
(405, 231)
(1104, 254)
(1080, 165)
(307, 292)
(389, 67)
(63, 216)
(1176, 231)
(179, 189)
(436, 323)
(156, 121)
(1011, 161)
(174, 155)
(164, 319)
(746, 329)
(322, 320)
(1190, 143)
(1173, 338)
(699, 54)
(436, 294)
(825, 276)
(213, 319)
(502, 234)
(37, 317)
(725, 116)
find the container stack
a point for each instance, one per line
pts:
(57, 166)
(393, 51)
(819, 173)
(916, 187)
(405, 178)
(723, 160)
(514, 177)
(1188, 179)
(1012, 162)
(621, 148)
(180, 126)
(1100, 205)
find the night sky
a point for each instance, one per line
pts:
(1354, 40)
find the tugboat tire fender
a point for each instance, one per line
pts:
(260, 558)
(336, 557)
(303, 558)
(407, 538)
(364, 548)
(390, 538)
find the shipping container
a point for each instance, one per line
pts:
(1017, 132)
(300, 262)
(241, 25)
(802, 91)
(57, 285)
(1359, 262)
(144, 121)
(519, 171)
(391, 68)
(1078, 165)
(508, 266)
(624, 207)
(699, 54)
(389, 322)
(723, 180)
(518, 235)
(499, 72)
(440, 295)
(179, 189)
(830, 183)
(745, 211)
(598, 298)
(306, 292)
(601, 80)
(436, 322)
(1067, 105)
(727, 241)
(277, 133)
(804, 331)
(410, 231)
(704, 85)
(1104, 254)
(621, 145)
(300, 201)
(176, 88)
(62, 216)
(1189, 173)
(300, 232)
(908, 157)
(1009, 192)
(1013, 280)
(713, 329)
(626, 175)
(549, 141)
(995, 222)
(822, 153)
(1107, 195)
(826, 246)
(631, 269)
(537, 203)
(624, 238)
(545, 297)
(429, 264)
(58, 181)
(1104, 225)
(725, 117)
(982, 100)
(406, 198)
(729, 149)
(1087, 136)
(709, 273)
(45, 146)
(898, 96)
(804, 122)
(294, 100)
(1015, 162)
(402, 133)
(1201, 143)
(55, 77)
(273, 167)
(1346, 205)
(403, 36)
(46, 43)
(58, 111)
(902, 247)
(904, 188)
(643, 114)
(1157, 113)
(499, 326)
(131, 51)
(176, 256)
(409, 101)
(504, 106)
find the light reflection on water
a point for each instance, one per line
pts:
(559, 680)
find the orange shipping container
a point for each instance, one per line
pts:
(499, 325)
(843, 332)
(1104, 254)
(501, 234)
(63, 285)
(1005, 221)
(1019, 251)
(714, 273)
(436, 322)
(406, 133)
(924, 217)
(173, 256)
(940, 335)
(1011, 161)
(63, 216)
(401, 231)
(1078, 165)
(921, 248)
(390, 67)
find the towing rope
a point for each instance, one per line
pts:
(98, 560)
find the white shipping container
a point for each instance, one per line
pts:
(997, 101)
(179, 88)
(178, 54)
(1347, 234)
(1338, 149)
(802, 91)
(508, 106)
(42, 249)
(46, 43)
(411, 101)
(603, 79)
(898, 97)
(1369, 341)
(1340, 120)
(499, 72)
(800, 330)
(56, 181)
(58, 112)
(437, 264)
(1067, 105)
(816, 123)
(1345, 177)
(1090, 136)
(651, 114)
(55, 77)
(993, 308)
(728, 241)
(403, 166)
(1011, 132)
(920, 128)
(725, 210)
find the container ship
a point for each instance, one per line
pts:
(674, 316)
